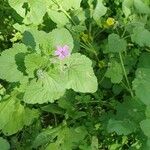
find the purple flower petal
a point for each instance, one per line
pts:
(62, 52)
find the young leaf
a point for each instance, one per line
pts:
(115, 72)
(116, 44)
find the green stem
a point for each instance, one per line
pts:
(102, 79)
(124, 85)
(125, 74)
(90, 48)
(63, 10)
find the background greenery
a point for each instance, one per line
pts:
(114, 35)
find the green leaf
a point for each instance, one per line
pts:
(124, 127)
(79, 74)
(94, 143)
(115, 72)
(145, 124)
(34, 62)
(116, 44)
(58, 17)
(11, 110)
(61, 37)
(46, 136)
(126, 7)
(35, 39)
(64, 5)
(8, 62)
(54, 146)
(75, 4)
(141, 85)
(6, 109)
(17, 5)
(141, 36)
(21, 117)
(47, 89)
(71, 137)
(144, 60)
(4, 145)
(147, 111)
(47, 43)
(141, 7)
(57, 10)
(132, 109)
(34, 15)
(99, 11)
(53, 108)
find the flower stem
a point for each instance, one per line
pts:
(125, 74)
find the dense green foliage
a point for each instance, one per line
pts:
(97, 97)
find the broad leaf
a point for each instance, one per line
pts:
(35, 14)
(141, 7)
(46, 136)
(47, 89)
(4, 145)
(144, 60)
(6, 109)
(64, 5)
(79, 74)
(8, 67)
(145, 124)
(141, 85)
(58, 17)
(13, 116)
(124, 127)
(114, 72)
(116, 44)
(34, 62)
(60, 37)
(126, 7)
(141, 36)
(99, 11)
(21, 117)
(36, 40)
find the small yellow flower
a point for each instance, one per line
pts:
(110, 21)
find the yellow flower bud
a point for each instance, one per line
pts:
(110, 21)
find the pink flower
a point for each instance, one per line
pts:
(62, 52)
